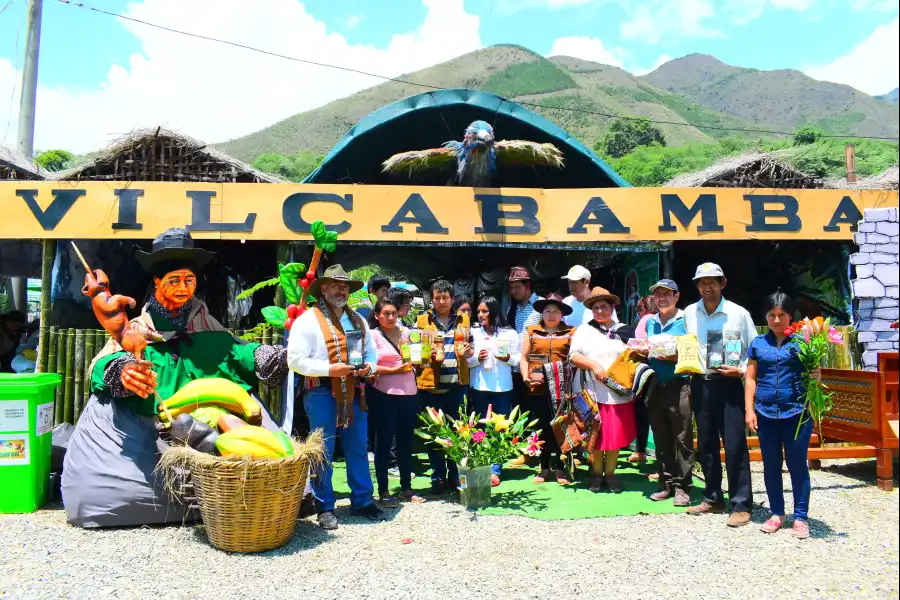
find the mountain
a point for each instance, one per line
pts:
(510, 71)
(781, 99)
(890, 97)
(692, 94)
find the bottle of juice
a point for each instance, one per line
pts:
(426, 347)
(404, 349)
(415, 346)
(438, 344)
(460, 337)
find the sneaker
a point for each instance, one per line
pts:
(738, 519)
(661, 495)
(370, 512)
(327, 520)
(716, 508)
(394, 472)
(682, 498)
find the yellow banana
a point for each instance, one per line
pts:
(250, 441)
(213, 391)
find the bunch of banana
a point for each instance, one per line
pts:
(213, 391)
(255, 442)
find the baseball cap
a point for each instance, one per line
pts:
(666, 284)
(577, 273)
(519, 274)
(708, 270)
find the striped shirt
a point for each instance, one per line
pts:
(526, 315)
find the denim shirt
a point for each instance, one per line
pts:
(779, 383)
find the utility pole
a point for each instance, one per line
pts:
(26, 116)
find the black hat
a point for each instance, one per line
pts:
(174, 247)
(557, 301)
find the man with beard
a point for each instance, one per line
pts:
(322, 345)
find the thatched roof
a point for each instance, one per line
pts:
(756, 170)
(886, 180)
(14, 165)
(159, 154)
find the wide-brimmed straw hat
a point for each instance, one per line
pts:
(556, 300)
(174, 247)
(599, 293)
(331, 274)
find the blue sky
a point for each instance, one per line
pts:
(100, 76)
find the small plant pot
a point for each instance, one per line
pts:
(475, 487)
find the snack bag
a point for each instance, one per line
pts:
(661, 345)
(641, 347)
(733, 348)
(688, 355)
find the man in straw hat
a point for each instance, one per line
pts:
(108, 476)
(330, 344)
(718, 396)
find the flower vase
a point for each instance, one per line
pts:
(475, 486)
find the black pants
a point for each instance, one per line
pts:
(395, 419)
(669, 412)
(642, 421)
(719, 410)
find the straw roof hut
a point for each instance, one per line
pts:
(159, 154)
(15, 166)
(889, 179)
(756, 170)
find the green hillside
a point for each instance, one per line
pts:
(783, 99)
(510, 71)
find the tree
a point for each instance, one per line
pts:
(624, 135)
(293, 168)
(807, 135)
(54, 160)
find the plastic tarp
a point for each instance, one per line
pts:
(430, 119)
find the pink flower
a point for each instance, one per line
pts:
(478, 437)
(835, 337)
(806, 334)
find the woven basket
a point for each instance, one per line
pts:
(249, 505)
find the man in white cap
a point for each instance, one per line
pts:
(717, 395)
(579, 280)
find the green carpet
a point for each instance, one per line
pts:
(517, 495)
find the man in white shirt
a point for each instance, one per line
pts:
(718, 395)
(330, 344)
(579, 280)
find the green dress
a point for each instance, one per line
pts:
(203, 354)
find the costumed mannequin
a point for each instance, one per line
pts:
(108, 477)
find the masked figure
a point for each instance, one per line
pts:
(108, 477)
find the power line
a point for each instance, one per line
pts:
(437, 88)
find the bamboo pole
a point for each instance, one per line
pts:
(78, 392)
(89, 354)
(61, 371)
(69, 414)
(282, 257)
(49, 254)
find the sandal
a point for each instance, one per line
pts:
(772, 525)
(637, 457)
(613, 484)
(495, 480)
(541, 477)
(411, 496)
(596, 484)
(800, 530)
(562, 478)
(388, 501)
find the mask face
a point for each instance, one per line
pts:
(175, 288)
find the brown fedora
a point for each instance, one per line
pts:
(599, 293)
(334, 273)
(556, 300)
(519, 274)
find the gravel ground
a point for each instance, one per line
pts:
(455, 554)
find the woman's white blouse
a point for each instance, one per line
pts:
(595, 346)
(498, 377)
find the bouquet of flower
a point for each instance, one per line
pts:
(812, 337)
(472, 441)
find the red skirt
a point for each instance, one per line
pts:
(617, 427)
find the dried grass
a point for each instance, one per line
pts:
(888, 180)
(15, 166)
(754, 170)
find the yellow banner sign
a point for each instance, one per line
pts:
(84, 210)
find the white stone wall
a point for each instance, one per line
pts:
(877, 283)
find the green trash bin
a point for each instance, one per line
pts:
(26, 420)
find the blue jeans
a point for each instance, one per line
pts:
(322, 412)
(776, 435)
(393, 415)
(449, 402)
(501, 403)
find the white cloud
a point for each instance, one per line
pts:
(659, 62)
(353, 20)
(871, 66)
(512, 6)
(216, 92)
(744, 11)
(879, 5)
(586, 48)
(650, 21)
